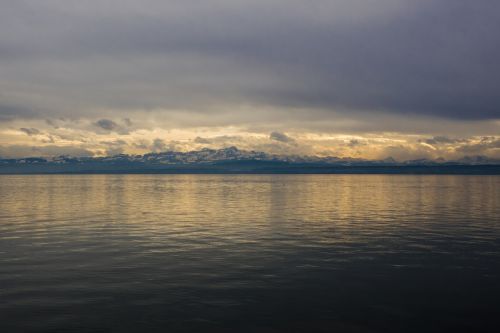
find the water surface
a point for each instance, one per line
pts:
(249, 253)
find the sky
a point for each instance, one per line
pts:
(350, 78)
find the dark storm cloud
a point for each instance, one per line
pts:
(437, 58)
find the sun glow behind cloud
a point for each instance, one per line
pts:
(85, 137)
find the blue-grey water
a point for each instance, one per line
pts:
(249, 253)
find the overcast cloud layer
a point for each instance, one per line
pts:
(134, 70)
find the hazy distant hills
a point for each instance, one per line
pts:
(234, 160)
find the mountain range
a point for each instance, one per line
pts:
(234, 160)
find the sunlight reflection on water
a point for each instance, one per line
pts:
(249, 252)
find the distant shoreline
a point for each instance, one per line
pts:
(235, 169)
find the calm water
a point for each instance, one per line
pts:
(252, 253)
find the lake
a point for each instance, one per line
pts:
(249, 253)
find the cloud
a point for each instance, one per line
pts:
(425, 58)
(158, 145)
(487, 146)
(107, 124)
(112, 151)
(51, 123)
(114, 147)
(30, 131)
(19, 151)
(281, 137)
(442, 140)
(127, 122)
(202, 140)
(110, 126)
(141, 144)
(231, 72)
(405, 152)
(355, 143)
(9, 112)
(367, 146)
